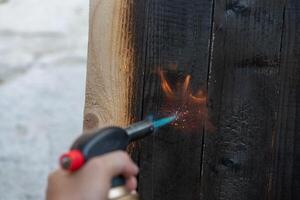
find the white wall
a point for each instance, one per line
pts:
(43, 47)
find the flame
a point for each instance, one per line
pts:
(186, 85)
(165, 85)
(190, 107)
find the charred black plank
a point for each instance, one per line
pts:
(243, 87)
(286, 169)
(172, 35)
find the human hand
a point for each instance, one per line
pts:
(93, 180)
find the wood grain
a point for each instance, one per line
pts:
(113, 81)
(243, 99)
(286, 168)
(174, 38)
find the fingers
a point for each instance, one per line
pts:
(131, 183)
(94, 179)
(112, 165)
(119, 163)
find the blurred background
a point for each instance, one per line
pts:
(43, 48)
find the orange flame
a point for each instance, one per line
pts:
(190, 107)
(165, 85)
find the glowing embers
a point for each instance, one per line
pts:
(189, 106)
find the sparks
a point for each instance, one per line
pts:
(189, 107)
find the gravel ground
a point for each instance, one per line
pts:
(43, 47)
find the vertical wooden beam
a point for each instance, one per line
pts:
(174, 34)
(286, 175)
(244, 99)
(113, 81)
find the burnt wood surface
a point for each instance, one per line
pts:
(244, 94)
(244, 53)
(174, 34)
(286, 159)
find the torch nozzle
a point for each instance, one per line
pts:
(143, 128)
(164, 121)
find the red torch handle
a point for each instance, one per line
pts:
(72, 160)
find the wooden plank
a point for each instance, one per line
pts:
(286, 175)
(113, 80)
(173, 36)
(243, 99)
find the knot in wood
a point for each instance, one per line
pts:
(238, 7)
(91, 121)
(230, 163)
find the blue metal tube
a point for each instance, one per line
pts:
(164, 121)
(143, 128)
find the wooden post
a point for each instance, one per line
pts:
(112, 86)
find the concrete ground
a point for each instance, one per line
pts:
(43, 47)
